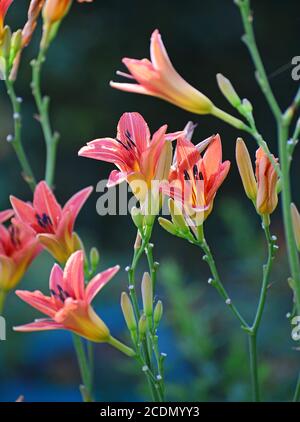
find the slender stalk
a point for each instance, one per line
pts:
(84, 368)
(120, 346)
(286, 200)
(249, 40)
(216, 281)
(254, 368)
(42, 103)
(228, 118)
(16, 141)
(144, 356)
(252, 333)
(297, 391)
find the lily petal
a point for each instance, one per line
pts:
(39, 325)
(99, 281)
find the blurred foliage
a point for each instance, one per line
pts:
(207, 355)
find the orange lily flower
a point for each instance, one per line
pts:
(137, 156)
(194, 180)
(52, 224)
(69, 305)
(18, 248)
(158, 78)
(55, 10)
(4, 6)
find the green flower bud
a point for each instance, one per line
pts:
(142, 327)
(228, 91)
(128, 312)
(158, 312)
(168, 226)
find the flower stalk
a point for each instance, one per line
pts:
(42, 104)
(16, 140)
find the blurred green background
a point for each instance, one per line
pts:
(207, 354)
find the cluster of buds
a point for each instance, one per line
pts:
(261, 187)
(151, 316)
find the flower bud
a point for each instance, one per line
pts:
(228, 91)
(94, 258)
(147, 295)
(246, 170)
(266, 176)
(55, 10)
(128, 312)
(168, 226)
(296, 224)
(137, 217)
(177, 216)
(6, 42)
(142, 326)
(16, 42)
(158, 312)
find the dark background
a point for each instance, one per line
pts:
(207, 354)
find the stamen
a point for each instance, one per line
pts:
(195, 171)
(123, 145)
(44, 221)
(128, 136)
(186, 175)
(14, 235)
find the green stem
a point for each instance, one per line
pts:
(42, 103)
(17, 137)
(216, 282)
(228, 118)
(145, 344)
(120, 346)
(249, 40)
(2, 300)
(259, 312)
(253, 368)
(84, 368)
(286, 200)
(297, 391)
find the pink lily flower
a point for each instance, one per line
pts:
(18, 248)
(137, 156)
(194, 180)
(52, 224)
(5, 215)
(69, 305)
(158, 78)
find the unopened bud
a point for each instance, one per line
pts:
(55, 10)
(296, 224)
(245, 168)
(128, 312)
(228, 91)
(177, 215)
(168, 226)
(147, 294)
(158, 312)
(94, 258)
(142, 326)
(137, 217)
(6, 42)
